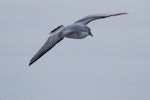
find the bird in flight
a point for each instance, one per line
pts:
(77, 30)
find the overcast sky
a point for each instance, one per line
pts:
(112, 65)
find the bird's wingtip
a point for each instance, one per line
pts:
(125, 13)
(30, 63)
(116, 14)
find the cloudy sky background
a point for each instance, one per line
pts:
(113, 65)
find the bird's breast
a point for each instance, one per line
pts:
(76, 35)
(75, 31)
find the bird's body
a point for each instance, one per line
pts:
(78, 30)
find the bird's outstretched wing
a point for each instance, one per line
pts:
(59, 28)
(90, 18)
(49, 44)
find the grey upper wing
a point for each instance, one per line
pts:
(57, 29)
(49, 44)
(90, 18)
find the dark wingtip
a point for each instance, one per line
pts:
(124, 13)
(120, 13)
(30, 64)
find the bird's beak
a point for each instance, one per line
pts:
(90, 34)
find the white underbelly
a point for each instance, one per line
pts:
(76, 36)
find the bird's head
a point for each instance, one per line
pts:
(88, 30)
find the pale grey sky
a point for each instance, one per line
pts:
(113, 65)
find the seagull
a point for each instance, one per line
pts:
(77, 30)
